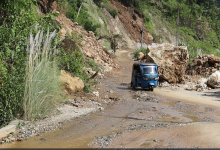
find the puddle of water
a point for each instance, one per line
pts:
(152, 144)
(193, 118)
(168, 118)
(170, 103)
(146, 144)
(175, 120)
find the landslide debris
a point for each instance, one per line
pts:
(204, 65)
(81, 39)
(89, 45)
(171, 60)
(207, 68)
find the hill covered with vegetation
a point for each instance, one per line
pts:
(199, 22)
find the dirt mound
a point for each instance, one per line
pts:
(204, 65)
(172, 61)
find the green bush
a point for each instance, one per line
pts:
(98, 2)
(113, 12)
(73, 62)
(83, 18)
(90, 27)
(19, 19)
(90, 63)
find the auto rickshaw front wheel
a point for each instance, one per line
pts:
(132, 86)
(151, 88)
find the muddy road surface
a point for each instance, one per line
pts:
(164, 118)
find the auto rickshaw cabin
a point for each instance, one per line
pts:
(144, 75)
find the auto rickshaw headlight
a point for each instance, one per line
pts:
(157, 78)
(145, 78)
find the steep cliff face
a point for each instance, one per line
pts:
(129, 25)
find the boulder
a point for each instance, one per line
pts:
(202, 83)
(140, 55)
(171, 60)
(214, 80)
(69, 83)
(212, 59)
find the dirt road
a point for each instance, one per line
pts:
(142, 119)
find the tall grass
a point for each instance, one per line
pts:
(42, 88)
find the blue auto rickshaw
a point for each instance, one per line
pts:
(144, 75)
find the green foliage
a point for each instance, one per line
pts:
(148, 24)
(13, 30)
(199, 21)
(90, 63)
(113, 12)
(106, 43)
(90, 27)
(99, 2)
(74, 63)
(97, 17)
(137, 51)
(19, 18)
(83, 18)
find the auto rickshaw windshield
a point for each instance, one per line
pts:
(149, 70)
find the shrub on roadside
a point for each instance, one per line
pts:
(74, 63)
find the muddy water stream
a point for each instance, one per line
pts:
(148, 124)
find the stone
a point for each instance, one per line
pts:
(43, 139)
(206, 64)
(199, 90)
(90, 71)
(71, 84)
(171, 60)
(96, 93)
(214, 80)
(140, 55)
(216, 65)
(214, 70)
(111, 92)
(202, 82)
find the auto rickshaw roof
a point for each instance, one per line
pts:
(144, 64)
